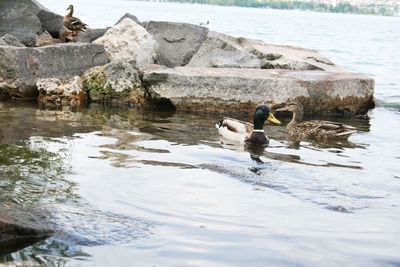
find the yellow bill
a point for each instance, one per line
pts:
(272, 119)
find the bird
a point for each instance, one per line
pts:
(313, 129)
(241, 131)
(204, 23)
(72, 23)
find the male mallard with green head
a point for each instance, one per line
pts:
(72, 23)
(315, 129)
(241, 131)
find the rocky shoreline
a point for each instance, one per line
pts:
(158, 64)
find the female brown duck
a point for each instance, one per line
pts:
(241, 131)
(315, 129)
(72, 23)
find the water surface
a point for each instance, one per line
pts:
(160, 189)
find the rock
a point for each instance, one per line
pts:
(234, 59)
(18, 17)
(20, 228)
(10, 40)
(26, 38)
(223, 51)
(55, 92)
(90, 35)
(130, 16)
(287, 57)
(178, 41)
(115, 84)
(51, 22)
(46, 39)
(20, 67)
(223, 89)
(130, 41)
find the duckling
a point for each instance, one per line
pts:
(315, 129)
(241, 131)
(72, 23)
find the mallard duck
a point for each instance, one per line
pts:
(241, 131)
(315, 129)
(72, 23)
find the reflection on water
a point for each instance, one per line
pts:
(165, 186)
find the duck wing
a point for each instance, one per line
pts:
(329, 125)
(237, 126)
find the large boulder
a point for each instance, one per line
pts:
(223, 51)
(129, 41)
(26, 18)
(56, 93)
(21, 67)
(51, 22)
(223, 89)
(116, 83)
(20, 228)
(178, 41)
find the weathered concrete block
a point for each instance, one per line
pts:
(178, 41)
(20, 67)
(222, 89)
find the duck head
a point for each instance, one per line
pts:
(262, 114)
(71, 9)
(296, 108)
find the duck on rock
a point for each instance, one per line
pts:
(314, 129)
(241, 131)
(72, 23)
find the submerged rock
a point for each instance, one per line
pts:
(20, 228)
(21, 67)
(55, 92)
(129, 41)
(223, 89)
(178, 41)
(116, 83)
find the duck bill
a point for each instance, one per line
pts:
(272, 119)
(284, 109)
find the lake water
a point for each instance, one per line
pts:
(127, 188)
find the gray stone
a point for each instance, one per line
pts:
(129, 41)
(91, 35)
(287, 57)
(10, 40)
(116, 83)
(20, 228)
(223, 51)
(178, 41)
(223, 89)
(51, 22)
(45, 39)
(18, 16)
(130, 16)
(20, 67)
(234, 59)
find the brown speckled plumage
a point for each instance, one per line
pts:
(72, 23)
(315, 129)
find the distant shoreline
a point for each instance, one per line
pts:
(343, 8)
